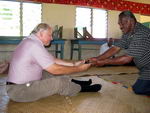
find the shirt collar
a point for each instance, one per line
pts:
(34, 37)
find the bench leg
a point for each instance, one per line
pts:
(62, 51)
(79, 52)
(56, 50)
(72, 49)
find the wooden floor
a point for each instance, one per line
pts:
(113, 98)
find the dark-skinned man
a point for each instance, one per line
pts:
(136, 40)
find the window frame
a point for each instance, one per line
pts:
(21, 21)
(91, 18)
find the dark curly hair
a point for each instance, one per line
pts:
(127, 14)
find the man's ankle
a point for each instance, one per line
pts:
(91, 88)
(82, 83)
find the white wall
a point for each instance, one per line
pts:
(62, 15)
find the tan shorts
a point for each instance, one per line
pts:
(35, 90)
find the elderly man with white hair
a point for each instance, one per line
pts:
(25, 81)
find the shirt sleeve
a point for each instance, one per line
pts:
(122, 43)
(42, 56)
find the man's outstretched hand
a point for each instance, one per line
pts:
(98, 63)
(94, 61)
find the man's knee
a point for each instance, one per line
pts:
(69, 88)
(141, 87)
(141, 91)
(138, 91)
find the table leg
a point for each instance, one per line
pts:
(56, 51)
(79, 52)
(72, 49)
(62, 51)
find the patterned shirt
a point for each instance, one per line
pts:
(137, 45)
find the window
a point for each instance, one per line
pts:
(83, 19)
(9, 18)
(95, 20)
(31, 17)
(18, 18)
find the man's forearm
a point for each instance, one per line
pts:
(57, 69)
(64, 63)
(114, 61)
(112, 51)
(61, 70)
(118, 60)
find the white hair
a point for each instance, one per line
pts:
(40, 27)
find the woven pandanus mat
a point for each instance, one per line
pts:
(108, 70)
(111, 99)
(125, 79)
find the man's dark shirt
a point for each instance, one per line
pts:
(137, 45)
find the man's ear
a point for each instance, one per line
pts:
(132, 21)
(41, 33)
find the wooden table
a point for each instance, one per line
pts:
(80, 42)
(17, 40)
